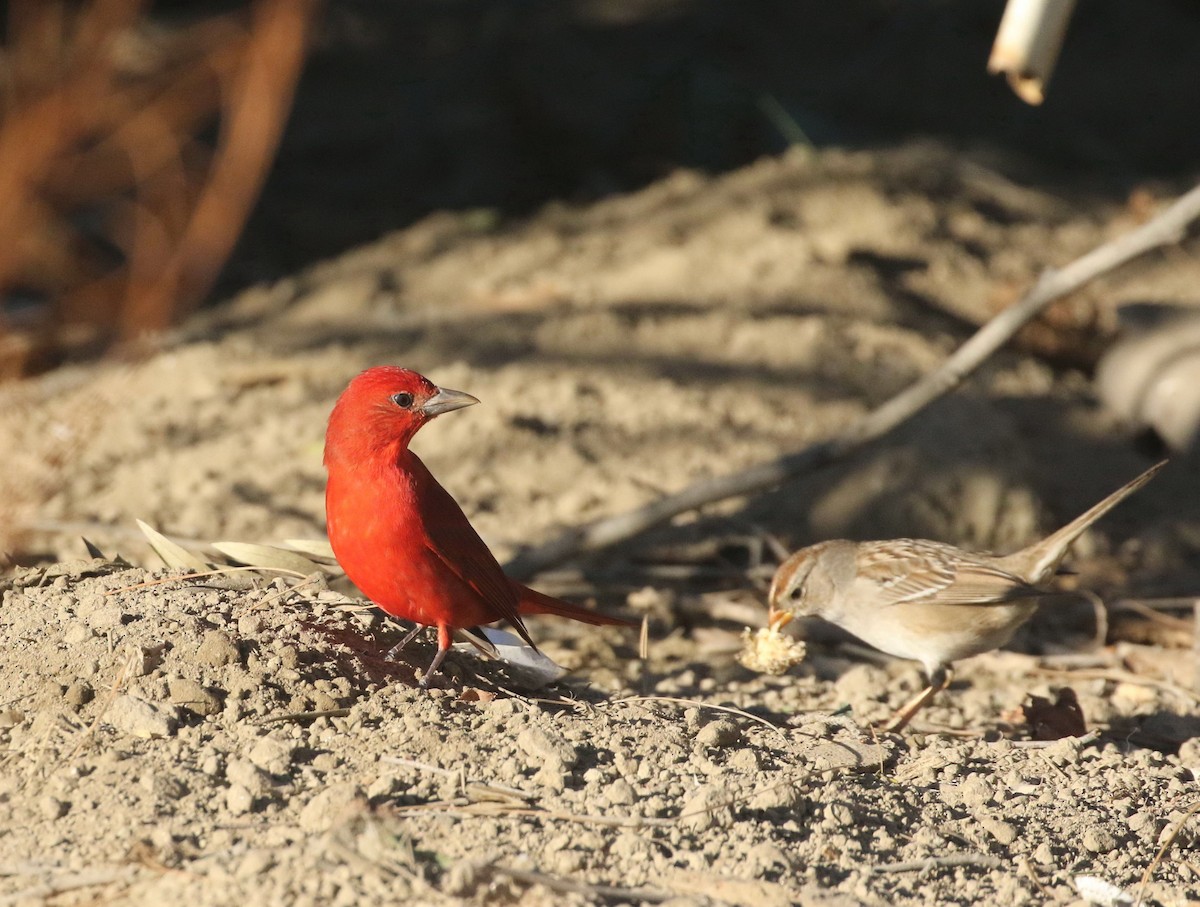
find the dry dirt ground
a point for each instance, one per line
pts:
(239, 739)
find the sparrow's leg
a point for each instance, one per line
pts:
(938, 681)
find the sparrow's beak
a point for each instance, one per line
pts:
(446, 401)
(777, 619)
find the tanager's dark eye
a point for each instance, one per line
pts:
(403, 400)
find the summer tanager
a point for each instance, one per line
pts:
(398, 534)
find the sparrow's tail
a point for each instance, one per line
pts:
(534, 602)
(1036, 563)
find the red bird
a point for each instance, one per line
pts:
(398, 534)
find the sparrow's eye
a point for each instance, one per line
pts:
(796, 592)
(403, 400)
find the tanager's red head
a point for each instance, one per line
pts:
(383, 408)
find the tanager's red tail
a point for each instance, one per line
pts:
(534, 602)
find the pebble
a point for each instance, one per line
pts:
(720, 733)
(323, 702)
(704, 808)
(383, 787)
(975, 792)
(244, 773)
(840, 814)
(140, 718)
(192, 696)
(1098, 840)
(238, 800)
(76, 635)
(250, 625)
(621, 793)
(745, 761)
(501, 708)
(1144, 822)
(271, 755)
(1005, 833)
(78, 694)
(104, 618)
(782, 795)
(1063, 752)
(326, 762)
(323, 810)
(52, 808)
(218, 649)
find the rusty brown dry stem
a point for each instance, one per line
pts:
(114, 211)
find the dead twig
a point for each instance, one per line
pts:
(1168, 227)
(1162, 853)
(987, 861)
(1089, 737)
(71, 881)
(306, 716)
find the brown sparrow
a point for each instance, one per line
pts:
(928, 601)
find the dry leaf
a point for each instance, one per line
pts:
(172, 553)
(268, 556)
(320, 549)
(1054, 720)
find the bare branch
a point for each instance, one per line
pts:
(1168, 227)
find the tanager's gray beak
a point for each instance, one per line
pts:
(446, 401)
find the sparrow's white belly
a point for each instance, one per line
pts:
(939, 634)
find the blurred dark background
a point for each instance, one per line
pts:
(151, 157)
(407, 108)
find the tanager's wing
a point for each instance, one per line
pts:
(452, 539)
